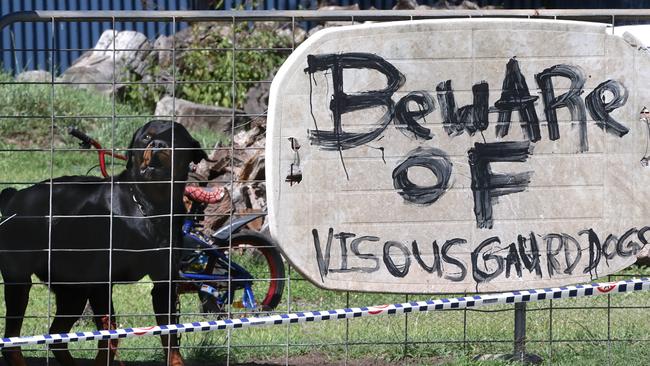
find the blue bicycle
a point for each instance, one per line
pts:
(233, 268)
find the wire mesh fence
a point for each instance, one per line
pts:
(224, 59)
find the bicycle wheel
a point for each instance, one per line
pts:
(258, 255)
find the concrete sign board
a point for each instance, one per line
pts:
(460, 155)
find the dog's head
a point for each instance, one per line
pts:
(150, 152)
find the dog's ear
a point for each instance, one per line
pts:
(197, 153)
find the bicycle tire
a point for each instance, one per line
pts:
(267, 269)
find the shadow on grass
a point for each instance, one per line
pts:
(42, 361)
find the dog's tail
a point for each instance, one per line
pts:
(5, 197)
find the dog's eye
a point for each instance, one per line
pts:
(146, 138)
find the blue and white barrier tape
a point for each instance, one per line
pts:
(633, 285)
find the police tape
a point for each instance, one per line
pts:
(632, 285)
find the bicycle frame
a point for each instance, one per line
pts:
(238, 276)
(87, 142)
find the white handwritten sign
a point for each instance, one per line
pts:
(460, 155)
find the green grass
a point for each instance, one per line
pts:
(34, 121)
(29, 111)
(579, 336)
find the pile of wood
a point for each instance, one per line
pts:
(239, 167)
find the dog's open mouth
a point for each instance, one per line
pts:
(155, 163)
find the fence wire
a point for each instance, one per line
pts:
(215, 60)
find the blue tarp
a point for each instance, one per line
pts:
(27, 46)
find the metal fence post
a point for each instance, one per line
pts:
(519, 353)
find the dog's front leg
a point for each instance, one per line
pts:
(162, 303)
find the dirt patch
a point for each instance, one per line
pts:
(319, 359)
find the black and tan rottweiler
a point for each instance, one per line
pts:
(82, 234)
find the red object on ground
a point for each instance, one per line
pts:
(110, 324)
(204, 195)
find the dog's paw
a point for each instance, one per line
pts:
(175, 358)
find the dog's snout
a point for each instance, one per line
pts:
(155, 156)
